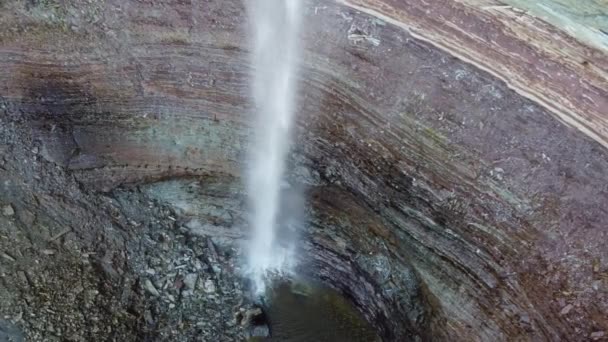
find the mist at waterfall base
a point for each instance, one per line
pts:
(274, 24)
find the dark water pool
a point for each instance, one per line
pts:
(307, 312)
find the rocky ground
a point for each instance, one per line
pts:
(75, 266)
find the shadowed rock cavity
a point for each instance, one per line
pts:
(441, 202)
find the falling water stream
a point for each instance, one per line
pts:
(274, 59)
(317, 314)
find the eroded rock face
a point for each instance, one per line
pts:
(441, 201)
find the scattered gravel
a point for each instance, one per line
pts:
(76, 265)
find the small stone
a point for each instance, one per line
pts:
(566, 309)
(8, 210)
(198, 265)
(23, 277)
(249, 316)
(8, 257)
(190, 281)
(525, 319)
(18, 317)
(597, 335)
(149, 287)
(148, 318)
(216, 269)
(209, 286)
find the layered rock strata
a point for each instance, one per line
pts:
(452, 152)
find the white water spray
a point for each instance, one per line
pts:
(275, 25)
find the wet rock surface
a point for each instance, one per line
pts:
(444, 204)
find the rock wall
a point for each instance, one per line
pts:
(453, 152)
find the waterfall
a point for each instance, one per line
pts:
(275, 45)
